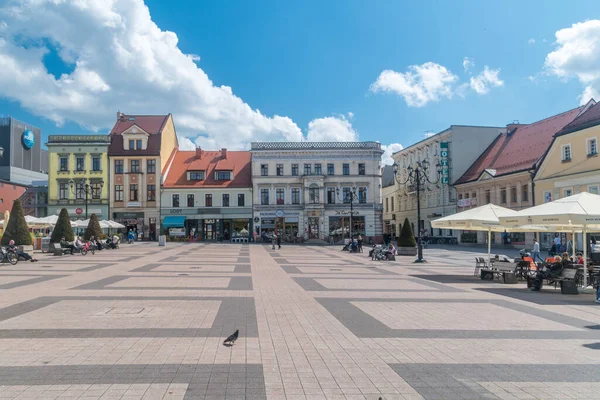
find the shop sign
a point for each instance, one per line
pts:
(467, 202)
(444, 155)
(28, 139)
(176, 231)
(74, 211)
(268, 221)
(130, 215)
(279, 214)
(346, 212)
(134, 204)
(78, 211)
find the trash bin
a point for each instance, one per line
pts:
(162, 240)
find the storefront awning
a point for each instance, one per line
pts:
(174, 221)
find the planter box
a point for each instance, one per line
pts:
(407, 251)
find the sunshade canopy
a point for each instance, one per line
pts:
(174, 221)
(482, 218)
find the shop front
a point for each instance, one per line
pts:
(339, 226)
(132, 220)
(286, 222)
(206, 225)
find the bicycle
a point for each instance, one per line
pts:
(9, 255)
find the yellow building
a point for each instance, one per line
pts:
(78, 175)
(572, 164)
(139, 150)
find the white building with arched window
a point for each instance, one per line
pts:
(306, 189)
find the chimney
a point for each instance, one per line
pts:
(224, 154)
(119, 115)
(511, 128)
(198, 152)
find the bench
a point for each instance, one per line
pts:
(57, 250)
(567, 279)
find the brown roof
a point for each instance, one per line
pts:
(210, 161)
(518, 149)
(587, 119)
(153, 124)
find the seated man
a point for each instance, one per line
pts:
(98, 244)
(551, 271)
(116, 239)
(20, 253)
(78, 243)
(390, 251)
(67, 245)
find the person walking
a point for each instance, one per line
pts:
(278, 236)
(535, 253)
(360, 243)
(273, 239)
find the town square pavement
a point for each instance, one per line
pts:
(147, 322)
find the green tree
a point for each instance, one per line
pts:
(406, 239)
(62, 228)
(17, 228)
(93, 228)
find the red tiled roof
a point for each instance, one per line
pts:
(587, 119)
(519, 150)
(153, 124)
(211, 161)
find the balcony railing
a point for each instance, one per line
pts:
(76, 201)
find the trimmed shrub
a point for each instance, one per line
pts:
(93, 228)
(62, 228)
(406, 239)
(17, 228)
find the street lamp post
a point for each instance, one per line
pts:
(417, 175)
(87, 189)
(345, 198)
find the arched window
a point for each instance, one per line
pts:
(313, 193)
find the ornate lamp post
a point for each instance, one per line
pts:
(348, 197)
(87, 189)
(417, 175)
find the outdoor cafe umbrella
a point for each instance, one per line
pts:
(577, 213)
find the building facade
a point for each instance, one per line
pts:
(307, 189)
(388, 198)
(503, 173)
(571, 165)
(78, 179)
(23, 160)
(139, 149)
(207, 195)
(455, 149)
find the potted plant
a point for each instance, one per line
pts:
(407, 245)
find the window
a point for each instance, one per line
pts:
(295, 195)
(138, 144)
(592, 147)
(547, 197)
(196, 175)
(307, 168)
(566, 153)
(593, 189)
(331, 195)
(513, 194)
(133, 192)
(264, 170)
(392, 201)
(190, 200)
(64, 164)
(279, 170)
(460, 196)
(567, 192)
(503, 196)
(223, 175)
(264, 197)
(362, 195)
(280, 196)
(361, 169)
(95, 163)
(135, 166)
(318, 169)
(488, 198)
(80, 191)
(151, 193)
(294, 169)
(313, 193)
(387, 209)
(225, 200)
(151, 166)
(63, 191)
(241, 200)
(96, 190)
(346, 169)
(80, 164)
(330, 169)
(131, 144)
(208, 200)
(347, 195)
(524, 193)
(118, 166)
(175, 200)
(118, 192)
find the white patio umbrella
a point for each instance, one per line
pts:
(31, 221)
(577, 213)
(114, 224)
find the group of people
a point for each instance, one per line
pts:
(77, 245)
(553, 270)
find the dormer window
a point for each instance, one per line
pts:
(195, 175)
(223, 175)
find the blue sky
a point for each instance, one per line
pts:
(314, 64)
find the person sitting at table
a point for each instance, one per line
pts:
(67, 245)
(551, 271)
(580, 259)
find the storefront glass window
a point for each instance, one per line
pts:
(339, 227)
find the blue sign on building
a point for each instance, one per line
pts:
(28, 139)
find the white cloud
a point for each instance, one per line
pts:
(577, 54)
(468, 63)
(350, 115)
(386, 158)
(331, 129)
(531, 41)
(418, 86)
(485, 80)
(185, 143)
(124, 61)
(428, 134)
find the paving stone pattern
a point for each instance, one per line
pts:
(147, 322)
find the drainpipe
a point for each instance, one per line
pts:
(532, 174)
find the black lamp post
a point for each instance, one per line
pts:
(348, 197)
(417, 175)
(85, 187)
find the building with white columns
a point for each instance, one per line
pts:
(303, 189)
